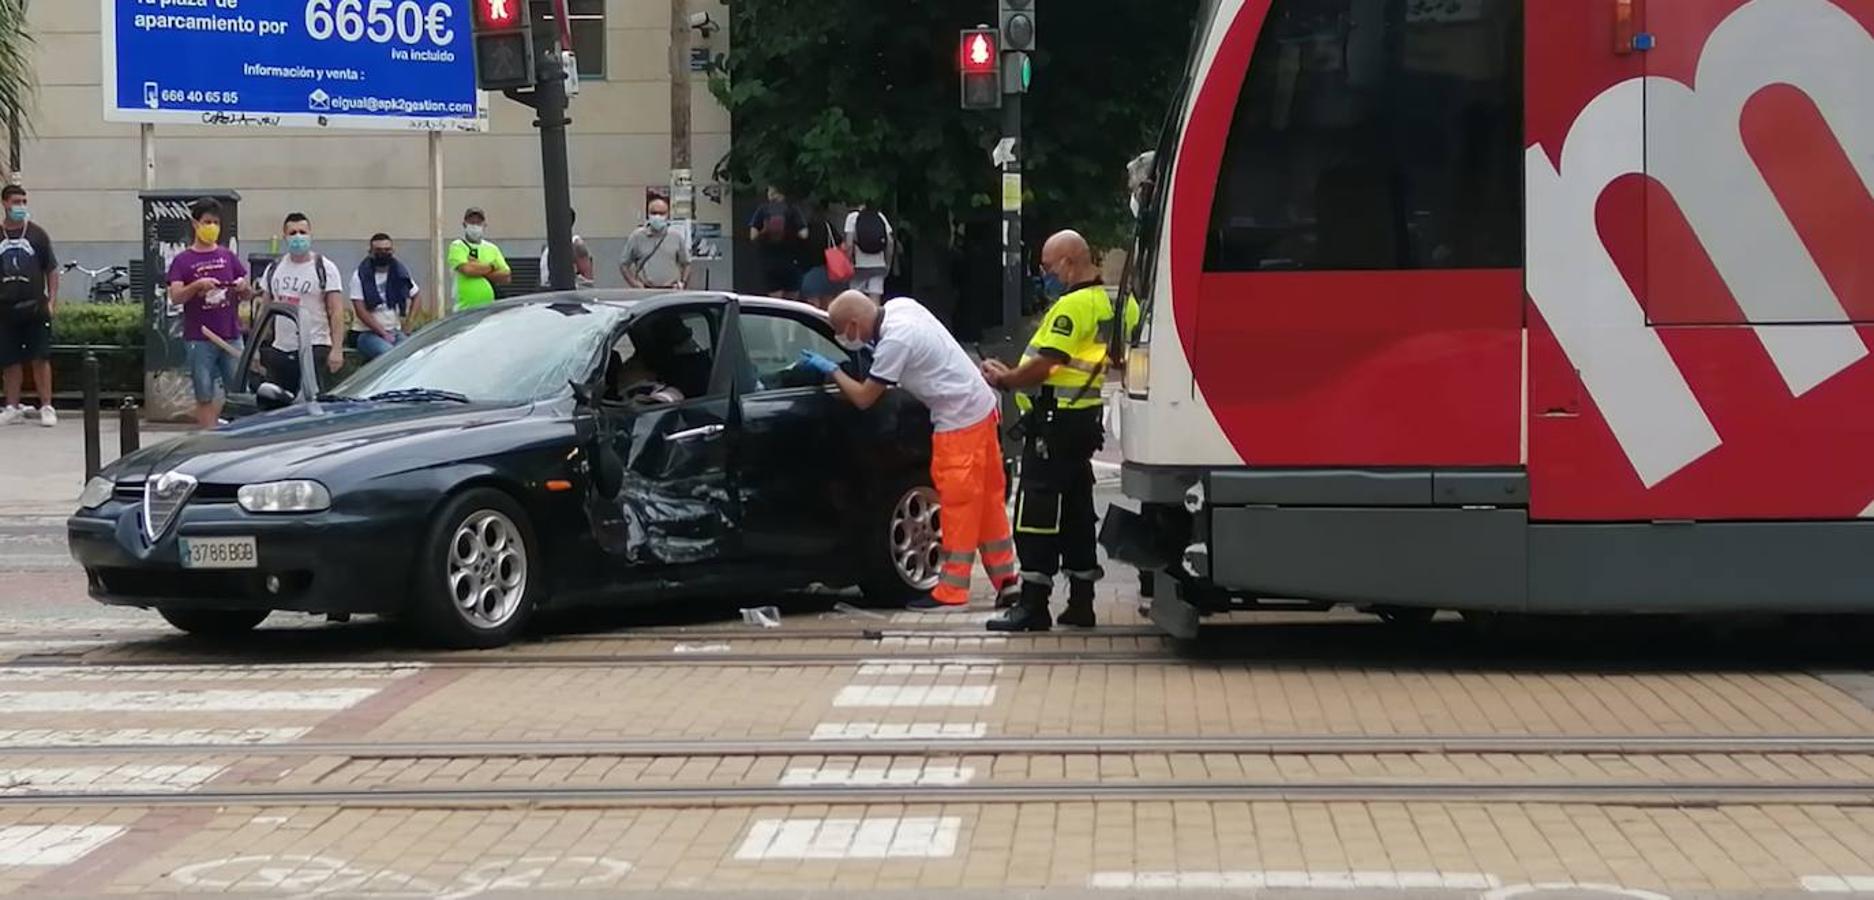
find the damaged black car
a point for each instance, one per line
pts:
(559, 450)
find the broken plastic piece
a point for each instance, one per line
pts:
(764, 616)
(851, 610)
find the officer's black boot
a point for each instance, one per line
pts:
(1030, 612)
(1079, 613)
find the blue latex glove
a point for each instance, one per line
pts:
(818, 363)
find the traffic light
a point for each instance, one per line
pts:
(979, 62)
(504, 45)
(1018, 25)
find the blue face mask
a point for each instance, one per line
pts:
(1051, 286)
(18, 213)
(299, 243)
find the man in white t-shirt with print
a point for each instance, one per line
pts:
(314, 284)
(869, 244)
(916, 352)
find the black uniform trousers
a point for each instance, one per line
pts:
(1054, 516)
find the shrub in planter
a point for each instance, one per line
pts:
(98, 324)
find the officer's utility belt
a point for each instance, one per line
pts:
(1064, 427)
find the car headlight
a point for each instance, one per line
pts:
(96, 491)
(285, 497)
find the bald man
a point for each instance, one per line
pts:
(915, 352)
(1064, 368)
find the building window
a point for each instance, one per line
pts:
(587, 20)
(1376, 134)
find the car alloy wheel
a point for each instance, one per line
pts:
(917, 538)
(487, 569)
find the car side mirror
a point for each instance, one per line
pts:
(582, 393)
(270, 396)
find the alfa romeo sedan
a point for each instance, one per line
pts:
(557, 450)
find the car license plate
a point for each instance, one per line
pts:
(220, 553)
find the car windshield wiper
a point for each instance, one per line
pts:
(418, 395)
(335, 398)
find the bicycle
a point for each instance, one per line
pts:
(113, 287)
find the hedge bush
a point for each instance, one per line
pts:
(98, 324)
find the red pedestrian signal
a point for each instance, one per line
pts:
(500, 15)
(980, 53)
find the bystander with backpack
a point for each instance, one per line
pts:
(29, 289)
(778, 231)
(870, 244)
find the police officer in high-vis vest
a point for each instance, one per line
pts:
(1062, 373)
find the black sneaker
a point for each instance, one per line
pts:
(1077, 615)
(927, 603)
(1024, 617)
(1008, 597)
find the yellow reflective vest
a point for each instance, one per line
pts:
(1079, 325)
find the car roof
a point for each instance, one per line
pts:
(640, 301)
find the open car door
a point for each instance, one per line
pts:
(255, 390)
(662, 494)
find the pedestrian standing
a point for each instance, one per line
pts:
(778, 232)
(1062, 427)
(209, 282)
(311, 283)
(383, 293)
(654, 256)
(914, 351)
(29, 290)
(582, 262)
(477, 263)
(871, 245)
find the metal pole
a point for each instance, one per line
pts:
(146, 135)
(679, 85)
(438, 244)
(1012, 268)
(550, 103)
(94, 442)
(127, 438)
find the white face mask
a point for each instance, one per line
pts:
(472, 232)
(850, 345)
(1135, 205)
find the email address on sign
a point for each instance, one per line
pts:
(399, 105)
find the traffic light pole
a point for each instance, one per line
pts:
(549, 103)
(1013, 269)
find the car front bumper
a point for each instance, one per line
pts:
(327, 562)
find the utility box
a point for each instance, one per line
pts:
(168, 395)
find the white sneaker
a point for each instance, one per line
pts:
(11, 415)
(47, 417)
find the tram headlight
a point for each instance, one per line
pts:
(1138, 371)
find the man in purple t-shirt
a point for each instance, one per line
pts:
(209, 282)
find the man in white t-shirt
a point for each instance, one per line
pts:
(916, 352)
(312, 283)
(383, 292)
(869, 244)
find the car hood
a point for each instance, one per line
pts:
(307, 440)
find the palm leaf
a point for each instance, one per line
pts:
(16, 68)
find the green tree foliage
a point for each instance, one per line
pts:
(857, 99)
(16, 65)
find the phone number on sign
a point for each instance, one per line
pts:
(201, 96)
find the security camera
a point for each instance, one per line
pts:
(703, 23)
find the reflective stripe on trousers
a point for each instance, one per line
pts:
(966, 467)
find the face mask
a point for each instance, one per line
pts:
(208, 233)
(659, 223)
(1051, 287)
(382, 259)
(1135, 205)
(299, 243)
(473, 233)
(18, 213)
(849, 344)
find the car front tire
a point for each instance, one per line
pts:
(214, 623)
(903, 544)
(477, 578)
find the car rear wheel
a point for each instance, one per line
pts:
(475, 583)
(214, 622)
(904, 546)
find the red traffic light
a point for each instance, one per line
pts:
(979, 52)
(500, 15)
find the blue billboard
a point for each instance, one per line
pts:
(321, 63)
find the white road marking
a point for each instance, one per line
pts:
(304, 672)
(944, 643)
(958, 668)
(879, 838)
(1838, 884)
(700, 648)
(94, 737)
(1255, 879)
(959, 618)
(900, 731)
(909, 774)
(896, 695)
(52, 845)
(322, 700)
(99, 779)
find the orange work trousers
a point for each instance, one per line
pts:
(966, 467)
